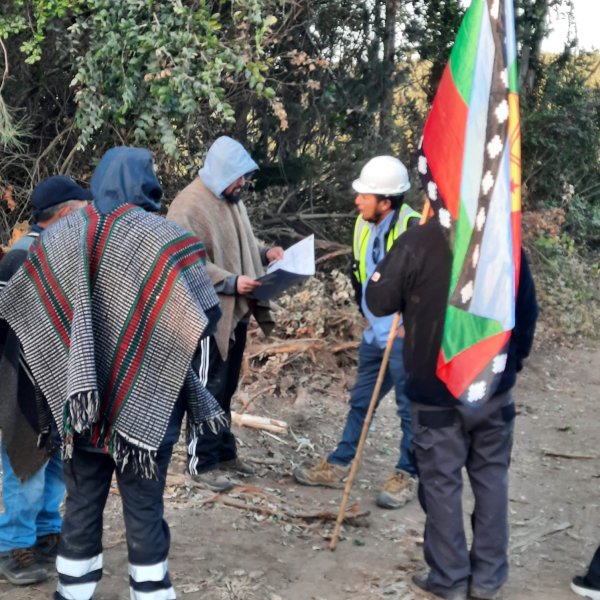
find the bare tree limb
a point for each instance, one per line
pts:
(6, 70)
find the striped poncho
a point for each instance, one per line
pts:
(109, 310)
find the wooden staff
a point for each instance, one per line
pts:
(371, 410)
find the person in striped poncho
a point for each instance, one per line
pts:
(120, 300)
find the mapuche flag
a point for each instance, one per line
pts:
(470, 167)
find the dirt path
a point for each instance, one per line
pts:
(222, 552)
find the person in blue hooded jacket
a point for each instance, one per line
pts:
(116, 302)
(211, 208)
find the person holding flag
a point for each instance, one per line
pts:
(468, 302)
(448, 435)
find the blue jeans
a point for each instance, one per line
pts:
(369, 362)
(30, 508)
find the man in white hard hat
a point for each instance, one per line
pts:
(383, 217)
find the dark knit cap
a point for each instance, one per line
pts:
(55, 190)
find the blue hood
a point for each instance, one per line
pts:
(226, 161)
(126, 176)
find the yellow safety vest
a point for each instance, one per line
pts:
(361, 238)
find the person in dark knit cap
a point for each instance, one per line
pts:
(32, 478)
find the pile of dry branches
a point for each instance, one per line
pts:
(318, 330)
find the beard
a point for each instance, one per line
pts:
(376, 216)
(372, 219)
(234, 196)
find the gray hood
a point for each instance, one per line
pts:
(226, 161)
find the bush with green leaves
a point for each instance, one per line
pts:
(561, 144)
(148, 72)
(157, 71)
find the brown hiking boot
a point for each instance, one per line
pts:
(399, 489)
(324, 474)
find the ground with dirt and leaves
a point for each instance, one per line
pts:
(267, 539)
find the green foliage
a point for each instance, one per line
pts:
(11, 132)
(431, 29)
(152, 69)
(568, 287)
(18, 16)
(148, 72)
(561, 145)
(583, 221)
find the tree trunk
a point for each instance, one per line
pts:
(534, 31)
(386, 118)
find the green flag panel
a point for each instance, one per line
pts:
(467, 330)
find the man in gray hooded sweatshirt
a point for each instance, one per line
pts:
(210, 208)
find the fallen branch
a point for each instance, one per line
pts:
(568, 455)
(251, 399)
(344, 346)
(352, 515)
(277, 439)
(303, 345)
(283, 217)
(256, 422)
(275, 507)
(538, 535)
(331, 255)
(263, 461)
(299, 345)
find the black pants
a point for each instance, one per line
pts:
(444, 441)
(592, 577)
(88, 476)
(221, 379)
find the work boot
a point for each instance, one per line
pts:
(399, 489)
(214, 481)
(22, 566)
(46, 547)
(477, 593)
(237, 465)
(325, 474)
(421, 580)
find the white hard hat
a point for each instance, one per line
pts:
(384, 175)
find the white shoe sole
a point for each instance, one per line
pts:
(586, 592)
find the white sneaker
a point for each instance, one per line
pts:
(579, 586)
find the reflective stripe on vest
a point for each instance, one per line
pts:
(361, 239)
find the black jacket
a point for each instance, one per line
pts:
(414, 279)
(19, 401)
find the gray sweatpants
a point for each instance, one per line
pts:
(444, 441)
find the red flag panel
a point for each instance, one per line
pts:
(463, 369)
(444, 141)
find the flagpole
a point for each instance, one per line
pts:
(365, 430)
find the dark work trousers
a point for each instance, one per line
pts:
(592, 577)
(445, 440)
(88, 477)
(220, 377)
